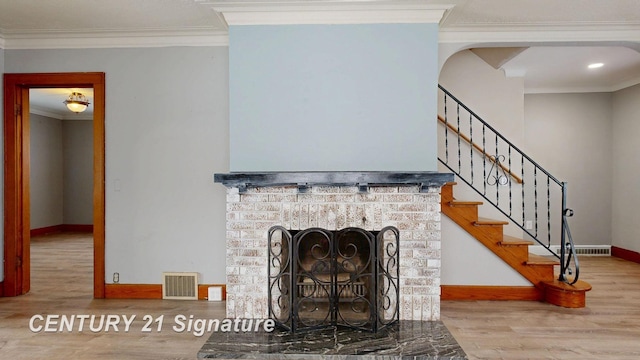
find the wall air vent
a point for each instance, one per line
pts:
(594, 250)
(180, 285)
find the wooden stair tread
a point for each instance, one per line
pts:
(580, 285)
(542, 260)
(486, 221)
(508, 240)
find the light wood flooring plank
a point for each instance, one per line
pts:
(607, 328)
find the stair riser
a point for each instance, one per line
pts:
(470, 213)
(446, 193)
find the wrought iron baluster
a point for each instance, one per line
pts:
(510, 181)
(459, 148)
(446, 132)
(471, 147)
(484, 160)
(548, 213)
(524, 216)
(496, 159)
(535, 197)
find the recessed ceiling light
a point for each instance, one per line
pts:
(595, 65)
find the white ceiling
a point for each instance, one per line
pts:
(555, 66)
(50, 103)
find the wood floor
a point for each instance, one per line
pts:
(62, 283)
(607, 328)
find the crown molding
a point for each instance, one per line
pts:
(113, 39)
(540, 33)
(579, 90)
(626, 84)
(328, 12)
(2, 42)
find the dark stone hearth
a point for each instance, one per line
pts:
(418, 340)
(362, 179)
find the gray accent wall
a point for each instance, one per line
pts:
(570, 135)
(46, 171)
(77, 151)
(333, 97)
(166, 135)
(61, 165)
(626, 169)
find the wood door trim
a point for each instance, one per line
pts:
(16, 199)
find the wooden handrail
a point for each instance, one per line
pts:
(480, 149)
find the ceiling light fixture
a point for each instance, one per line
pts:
(77, 102)
(595, 65)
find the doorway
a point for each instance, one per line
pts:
(16, 175)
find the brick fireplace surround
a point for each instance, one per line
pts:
(410, 201)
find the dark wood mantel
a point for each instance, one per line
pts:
(305, 180)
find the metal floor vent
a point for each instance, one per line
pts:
(603, 250)
(180, 285)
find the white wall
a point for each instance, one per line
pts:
(77, 148)
(500, 102)
(571, 136)
(166, 134)
(465, 261)
(46, 171)
(497, 100)
(626, 169)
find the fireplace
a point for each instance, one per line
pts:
(333, 212)
(320, 278)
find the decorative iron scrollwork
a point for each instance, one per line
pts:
(497, 178)
(320, 278)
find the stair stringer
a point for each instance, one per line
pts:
(490, 234)
(466, 262)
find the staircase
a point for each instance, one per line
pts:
(539, 270)
(524, 192)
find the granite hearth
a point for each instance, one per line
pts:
(416, 340)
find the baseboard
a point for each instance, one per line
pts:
(475, 292)
(46, 230)
(1, 288)
(625, 254)
(62, 228)
(133, 291)
(85, 228)
(150, 291)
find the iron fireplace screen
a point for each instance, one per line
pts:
(320, 278)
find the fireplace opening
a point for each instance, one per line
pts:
(320, 278)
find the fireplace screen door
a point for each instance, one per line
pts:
(320, 278)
